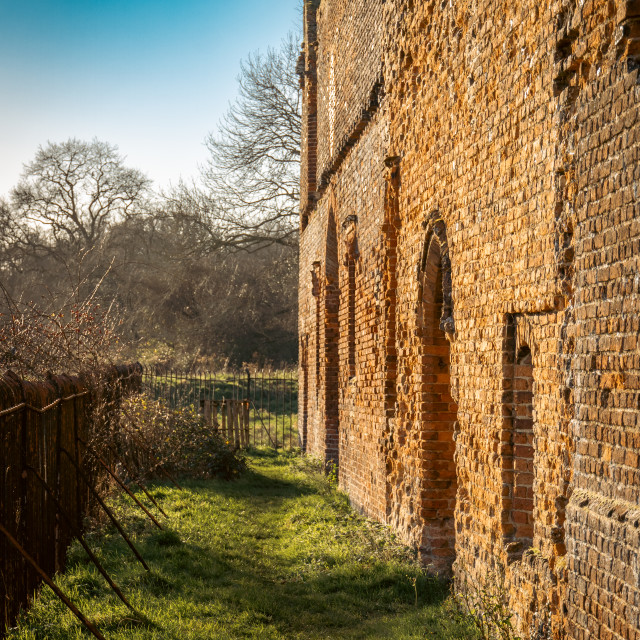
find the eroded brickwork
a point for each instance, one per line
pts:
(470, 291)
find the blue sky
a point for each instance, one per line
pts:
(151, 76)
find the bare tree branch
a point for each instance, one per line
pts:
(249, 195)
(71, 193)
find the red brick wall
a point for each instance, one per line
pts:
(349, 68)
(601, 129)
(307, 70)
(476, 196)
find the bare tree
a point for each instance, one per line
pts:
(71, 193)
(192, 217)
(175, 272)
(6, 239)
(252, 176)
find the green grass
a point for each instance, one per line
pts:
(276, 554)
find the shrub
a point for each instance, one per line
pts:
(178, 439)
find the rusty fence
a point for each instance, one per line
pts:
(254, 409)
(49, 478)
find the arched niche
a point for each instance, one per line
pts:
(436, 244)
(437, 408)
(331, 340)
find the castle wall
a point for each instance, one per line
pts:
(478, 354)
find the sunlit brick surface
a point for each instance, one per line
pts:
(470, 291)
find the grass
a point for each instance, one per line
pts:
(276, 554)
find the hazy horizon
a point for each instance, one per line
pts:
(152, 77)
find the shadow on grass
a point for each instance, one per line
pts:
(254, 482)
(294, 592)
(125, 623)
(274, 554)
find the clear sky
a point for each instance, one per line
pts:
(151, 76)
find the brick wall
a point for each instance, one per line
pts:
(469, 291)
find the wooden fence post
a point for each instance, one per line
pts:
(216, 425)
(236, 426)
(245, 414)
(243, 425)
(207, 412)
(223, 414)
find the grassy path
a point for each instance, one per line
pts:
(277, 554)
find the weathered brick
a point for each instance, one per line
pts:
(469, 289)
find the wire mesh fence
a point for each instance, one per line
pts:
(263, 404)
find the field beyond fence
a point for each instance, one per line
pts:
(262, 405)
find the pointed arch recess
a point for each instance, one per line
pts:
(438, 410)
(331, 340)
(437, 230)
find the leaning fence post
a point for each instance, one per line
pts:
(52, 585)
(106, 509)
(133, 476)
(124, 487)
(81, 539)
